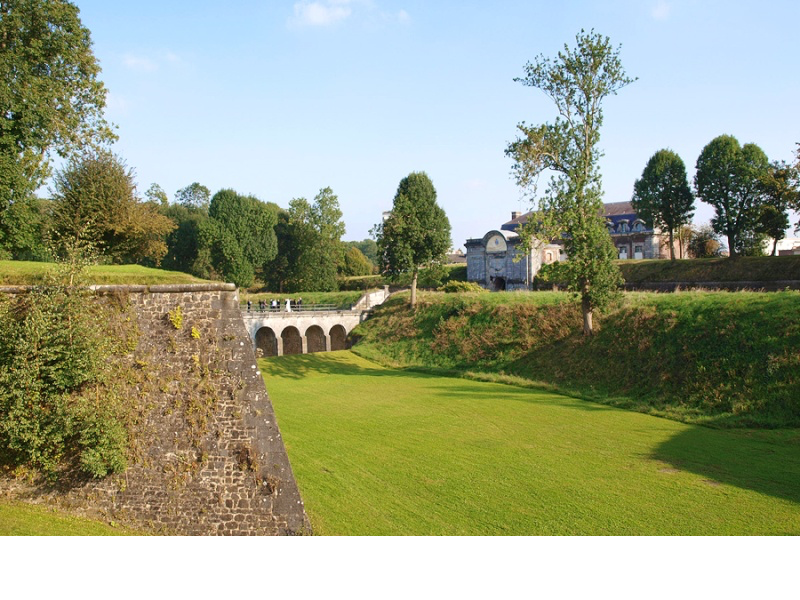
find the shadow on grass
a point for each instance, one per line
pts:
(767, 462)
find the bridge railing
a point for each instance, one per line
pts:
(304, 308)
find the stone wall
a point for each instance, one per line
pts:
(209, 457)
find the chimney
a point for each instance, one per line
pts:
(514, 215)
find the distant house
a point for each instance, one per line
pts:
(496, 261)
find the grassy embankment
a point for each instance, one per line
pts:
(746, 268)
(17, 518)
(724, 359)
(382, 451)
(18, 272)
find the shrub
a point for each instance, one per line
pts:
(456, 287)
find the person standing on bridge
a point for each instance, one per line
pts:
(288, 305)
(249, 305)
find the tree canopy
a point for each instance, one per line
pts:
(95, 199)
(730, 178)
(52, 98)
(662, 196)
(577, 81)
(416, 233)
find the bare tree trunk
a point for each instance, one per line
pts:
(671, 245)
(774, 247)
(414, 290)
(588, 329)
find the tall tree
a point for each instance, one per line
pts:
(194, 196)
(95, 199)
(251, 222)
(577, 81)
(309, 246)
(662, 196)
(416, 233)
(781, 187)
(730, 178)
(52, 99)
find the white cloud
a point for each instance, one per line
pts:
(324, 13)
(150, 64)
(320, 14)
(661, 10)
(139, 63)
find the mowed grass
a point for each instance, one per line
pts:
(19, 272)
(17, 518)
(379, 451)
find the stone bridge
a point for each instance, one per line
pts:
(300, 332)
(279, 333)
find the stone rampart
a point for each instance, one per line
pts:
(209, 457)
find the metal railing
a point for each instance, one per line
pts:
(303, 308)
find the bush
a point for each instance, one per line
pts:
(56, 381)
(456, 287)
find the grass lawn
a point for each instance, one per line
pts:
(20, 272)
(380, 451)
(17, 518)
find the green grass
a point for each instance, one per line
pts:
(17, 272)
(745, 268)
(379, 451)
(17, 518)
(727, 359)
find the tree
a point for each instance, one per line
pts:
(95, 199)
(577, 81)
(704, 243)
(194, 196)
(773, 223)
(250, 221)
(729, 177)
(52, 100)
(309, 247)
(156, 194)
(416, 233)
(662, 196)
(781, 188)
(355, 263)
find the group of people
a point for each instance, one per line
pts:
(275, 305)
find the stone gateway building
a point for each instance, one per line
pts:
(497, 261)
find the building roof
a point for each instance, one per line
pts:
(612, 211)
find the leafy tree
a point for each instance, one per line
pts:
(355, 263)
(662, 196)
(309, 246)
(416, 233)
(250, 221)
(577, 81)
(773, 223)
(368, 247)
(183, 243)
(156, 194)
(194, 196)
(704, 243)
(52, 103)
(729, 177)
(222, 255)
(95, 198)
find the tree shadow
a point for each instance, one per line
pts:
(765, 461)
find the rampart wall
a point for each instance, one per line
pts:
(209, 457)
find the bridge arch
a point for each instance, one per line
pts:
(338, 337)
(267, 342)
(292, 342)
(316, 339)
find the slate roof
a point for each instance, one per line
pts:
(612, 211)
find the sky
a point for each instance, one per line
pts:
(280, 99)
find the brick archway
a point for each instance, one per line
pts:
(267, 342)
(338, 338)
(315, 338)
(292, 342)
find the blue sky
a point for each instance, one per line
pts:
(282, 98)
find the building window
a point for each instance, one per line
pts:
(638, 226)
(637, 249)
(623, 227)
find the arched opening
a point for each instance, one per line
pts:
(292, 342)
(315, 337)
(498, 283)
(338, 338)
(266, 342)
